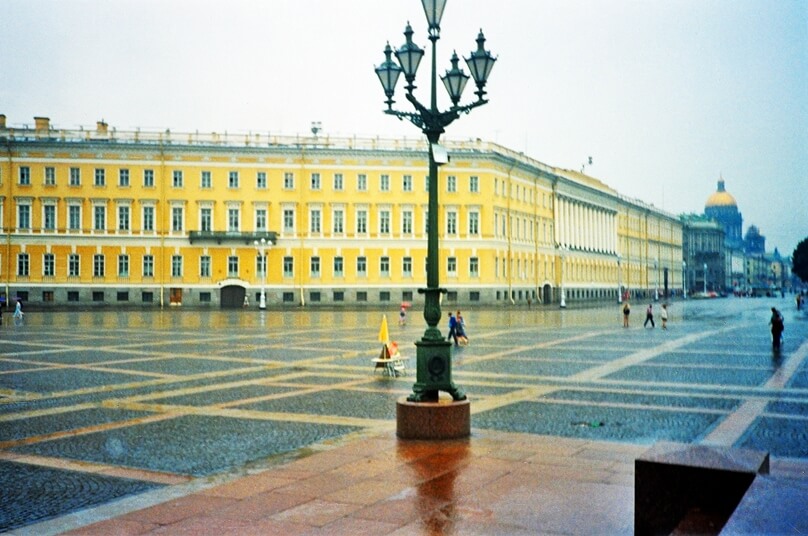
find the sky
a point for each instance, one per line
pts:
(666, 96)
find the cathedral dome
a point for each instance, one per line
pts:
(721, 198)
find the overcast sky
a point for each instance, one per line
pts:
(666, 96)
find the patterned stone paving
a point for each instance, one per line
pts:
(96, 406)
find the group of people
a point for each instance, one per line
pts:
(457, 329)
(649, 315)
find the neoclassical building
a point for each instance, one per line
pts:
(141, 218)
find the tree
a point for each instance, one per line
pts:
(799, 261)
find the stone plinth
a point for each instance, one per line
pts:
(445, 419)
(671, 480)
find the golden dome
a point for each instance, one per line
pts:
(721, 198)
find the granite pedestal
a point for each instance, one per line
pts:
(444, 419)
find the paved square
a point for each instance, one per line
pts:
(100, 405)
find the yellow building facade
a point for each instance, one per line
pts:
(98, 215)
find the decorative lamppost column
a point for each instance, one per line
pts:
(563, 302)
(261, 247)
(705, 278)
(684, 280)
(433, 351)
(619, 281)
(656, 269)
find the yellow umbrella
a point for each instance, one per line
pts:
(384, 334)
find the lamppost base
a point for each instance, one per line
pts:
(434, 372)
(442, 419)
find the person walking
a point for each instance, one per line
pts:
(664, 316)
(649, 316)
(460, 329)
(402, 315)
(778, 325)
(18, 314)
(626, 312)
(452, 328)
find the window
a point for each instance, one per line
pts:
(123, 265)
(25, 175)
(384, 222)
(47, 295)
(451, 183)
(339, 296)
(99, 217)
(474, 223)
(232, 266)
(232, 179)
(74, 217)
(474, 267)
(123, 177)
(362, 182)
(426, 183)
(451, 266)
(75, 176)
(123, 295)
(98, 295)
(148, 265)
(288, 220)
(406, 222)
(384, 266)
(315, 267)
(49, 217)
(176, 219)
(315, 181)
(206, 219)
(451, 223)
(338, 267)
(100, 177)
(123, 218)
(384, 183)
(362, 266)
(72, 295)
(406, 183)
(338, 183)
(98, 266)
(261, 219)
(23, 264)
(474, 184)
(23, 216)
(48, 265)
(233, 217)
(176, 266)
(148, 219)
(361, 296)
(314, 221)
(147, 297)
(205, 180)
(205, 297)
(261, 180)
(361, 221)
(50, 176)
(177, 178)
(406, 266)
(288, 297)
(148, 178)
(288, 266)
(73, 265)
(289, 180)
(339, 221)
(204, 266)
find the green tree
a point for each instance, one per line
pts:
(799, 260)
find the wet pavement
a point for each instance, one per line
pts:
(245, 422)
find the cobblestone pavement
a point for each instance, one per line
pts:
(97, 406)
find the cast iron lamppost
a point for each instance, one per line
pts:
(656, 269)
(684, 280)
(705, 278)
(563, 303)
(261, 247)
(619, 282)
(433, 353)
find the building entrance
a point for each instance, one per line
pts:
(233, 297)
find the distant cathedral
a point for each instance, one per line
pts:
(721, 207)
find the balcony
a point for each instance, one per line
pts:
(223, 237)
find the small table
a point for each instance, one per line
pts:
(390, 367)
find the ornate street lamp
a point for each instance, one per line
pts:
(619, 282)
(684, 280)
(261, 247)
(656, 270)
(433, 353)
